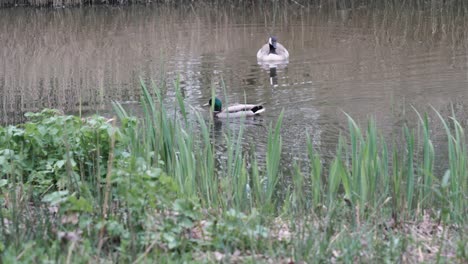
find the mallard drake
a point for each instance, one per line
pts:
(272, 51)
(238, 110)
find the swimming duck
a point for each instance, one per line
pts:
(272, 51)
(238, 110)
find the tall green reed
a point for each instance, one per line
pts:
(365, 181)
(396, 184)
(410, 181)
(425, 185)
(273, 156)
(316, 182)
(455, 181)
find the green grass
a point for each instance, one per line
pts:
(152, 189)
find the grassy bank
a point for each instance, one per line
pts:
(151, 190)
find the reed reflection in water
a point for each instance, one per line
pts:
(366, 62)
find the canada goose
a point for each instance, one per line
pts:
(272, 51)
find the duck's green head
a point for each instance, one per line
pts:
(218, 106)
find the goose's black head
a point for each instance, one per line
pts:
(272, 41)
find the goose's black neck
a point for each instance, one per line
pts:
(272, 50)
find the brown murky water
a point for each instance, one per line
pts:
(364, 62)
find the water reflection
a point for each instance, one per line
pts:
(271, 67)
(273, 77)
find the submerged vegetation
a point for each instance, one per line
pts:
(150, 189)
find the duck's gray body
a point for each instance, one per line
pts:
(240, 110)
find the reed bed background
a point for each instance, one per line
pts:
(332, 4)
(152, 189)
(69, 3)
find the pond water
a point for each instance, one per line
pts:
(365, 62)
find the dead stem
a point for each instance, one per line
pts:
(108, 183)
